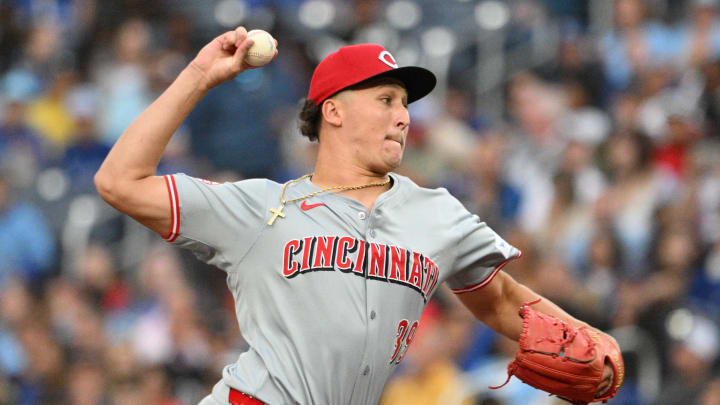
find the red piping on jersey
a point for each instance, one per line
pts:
(240, 398)
(174, 209)
(487, 279)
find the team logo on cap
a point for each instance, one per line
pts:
(386, 58)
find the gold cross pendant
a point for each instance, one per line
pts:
(276, 213)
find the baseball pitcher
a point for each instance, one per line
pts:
(330, 272)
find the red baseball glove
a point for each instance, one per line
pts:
(563, 360)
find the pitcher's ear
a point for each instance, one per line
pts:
(332, 111)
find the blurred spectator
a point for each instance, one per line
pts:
(155, 388)
(692, 359)
(492, 371)
(673, 154)
(49, 115)
(43, 52)
(101, 281)
(705, 288)
(11, 32)
(554, 272)
(576, 64)
(489, 194)
(450, 137)
(535, 147)
(27, 247)
(15, 305)
(76, 324)
(85, 152)
(568, 221)
(125, 369)
(636, 43)
(86, 383)
(22, 151)
(710, 99)
(699, 37)
(634, 194)
(582, 121)
(665, 100)
(126, 393)
(711, 394)
(43, 379)
(601, 275)
(624, 110)
(122, 79)
(674, 258)
(150, 335)
(577, 185)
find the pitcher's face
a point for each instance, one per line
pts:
(377, 122)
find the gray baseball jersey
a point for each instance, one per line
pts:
(329, 297)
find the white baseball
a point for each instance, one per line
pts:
(262, 50)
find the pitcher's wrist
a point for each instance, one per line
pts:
(196, 77)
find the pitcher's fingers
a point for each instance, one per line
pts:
(604, 385)
(240, 35)
(240, 53)
(227, 40)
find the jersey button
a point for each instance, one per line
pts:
(361, 215)
(372, 233)
(367, 370)
(372, 314)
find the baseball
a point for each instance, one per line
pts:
(262, 50)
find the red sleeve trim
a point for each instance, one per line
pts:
(487, 279)
(174, 209)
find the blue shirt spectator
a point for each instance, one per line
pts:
(83, 158)
(27, 247)
(18, 138)
(636, 43)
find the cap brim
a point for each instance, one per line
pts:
(419, 82)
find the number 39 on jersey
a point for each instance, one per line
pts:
(403, 339)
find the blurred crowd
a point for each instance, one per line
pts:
(603, 168)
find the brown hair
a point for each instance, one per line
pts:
(310, 113)
(309, 120)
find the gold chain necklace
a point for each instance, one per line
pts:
(277, 212)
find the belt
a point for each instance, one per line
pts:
(240, 398)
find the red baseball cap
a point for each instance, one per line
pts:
(354, 64)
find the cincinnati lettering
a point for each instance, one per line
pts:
(371, 260)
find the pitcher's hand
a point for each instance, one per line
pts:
(607, 379)
(222, 58)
